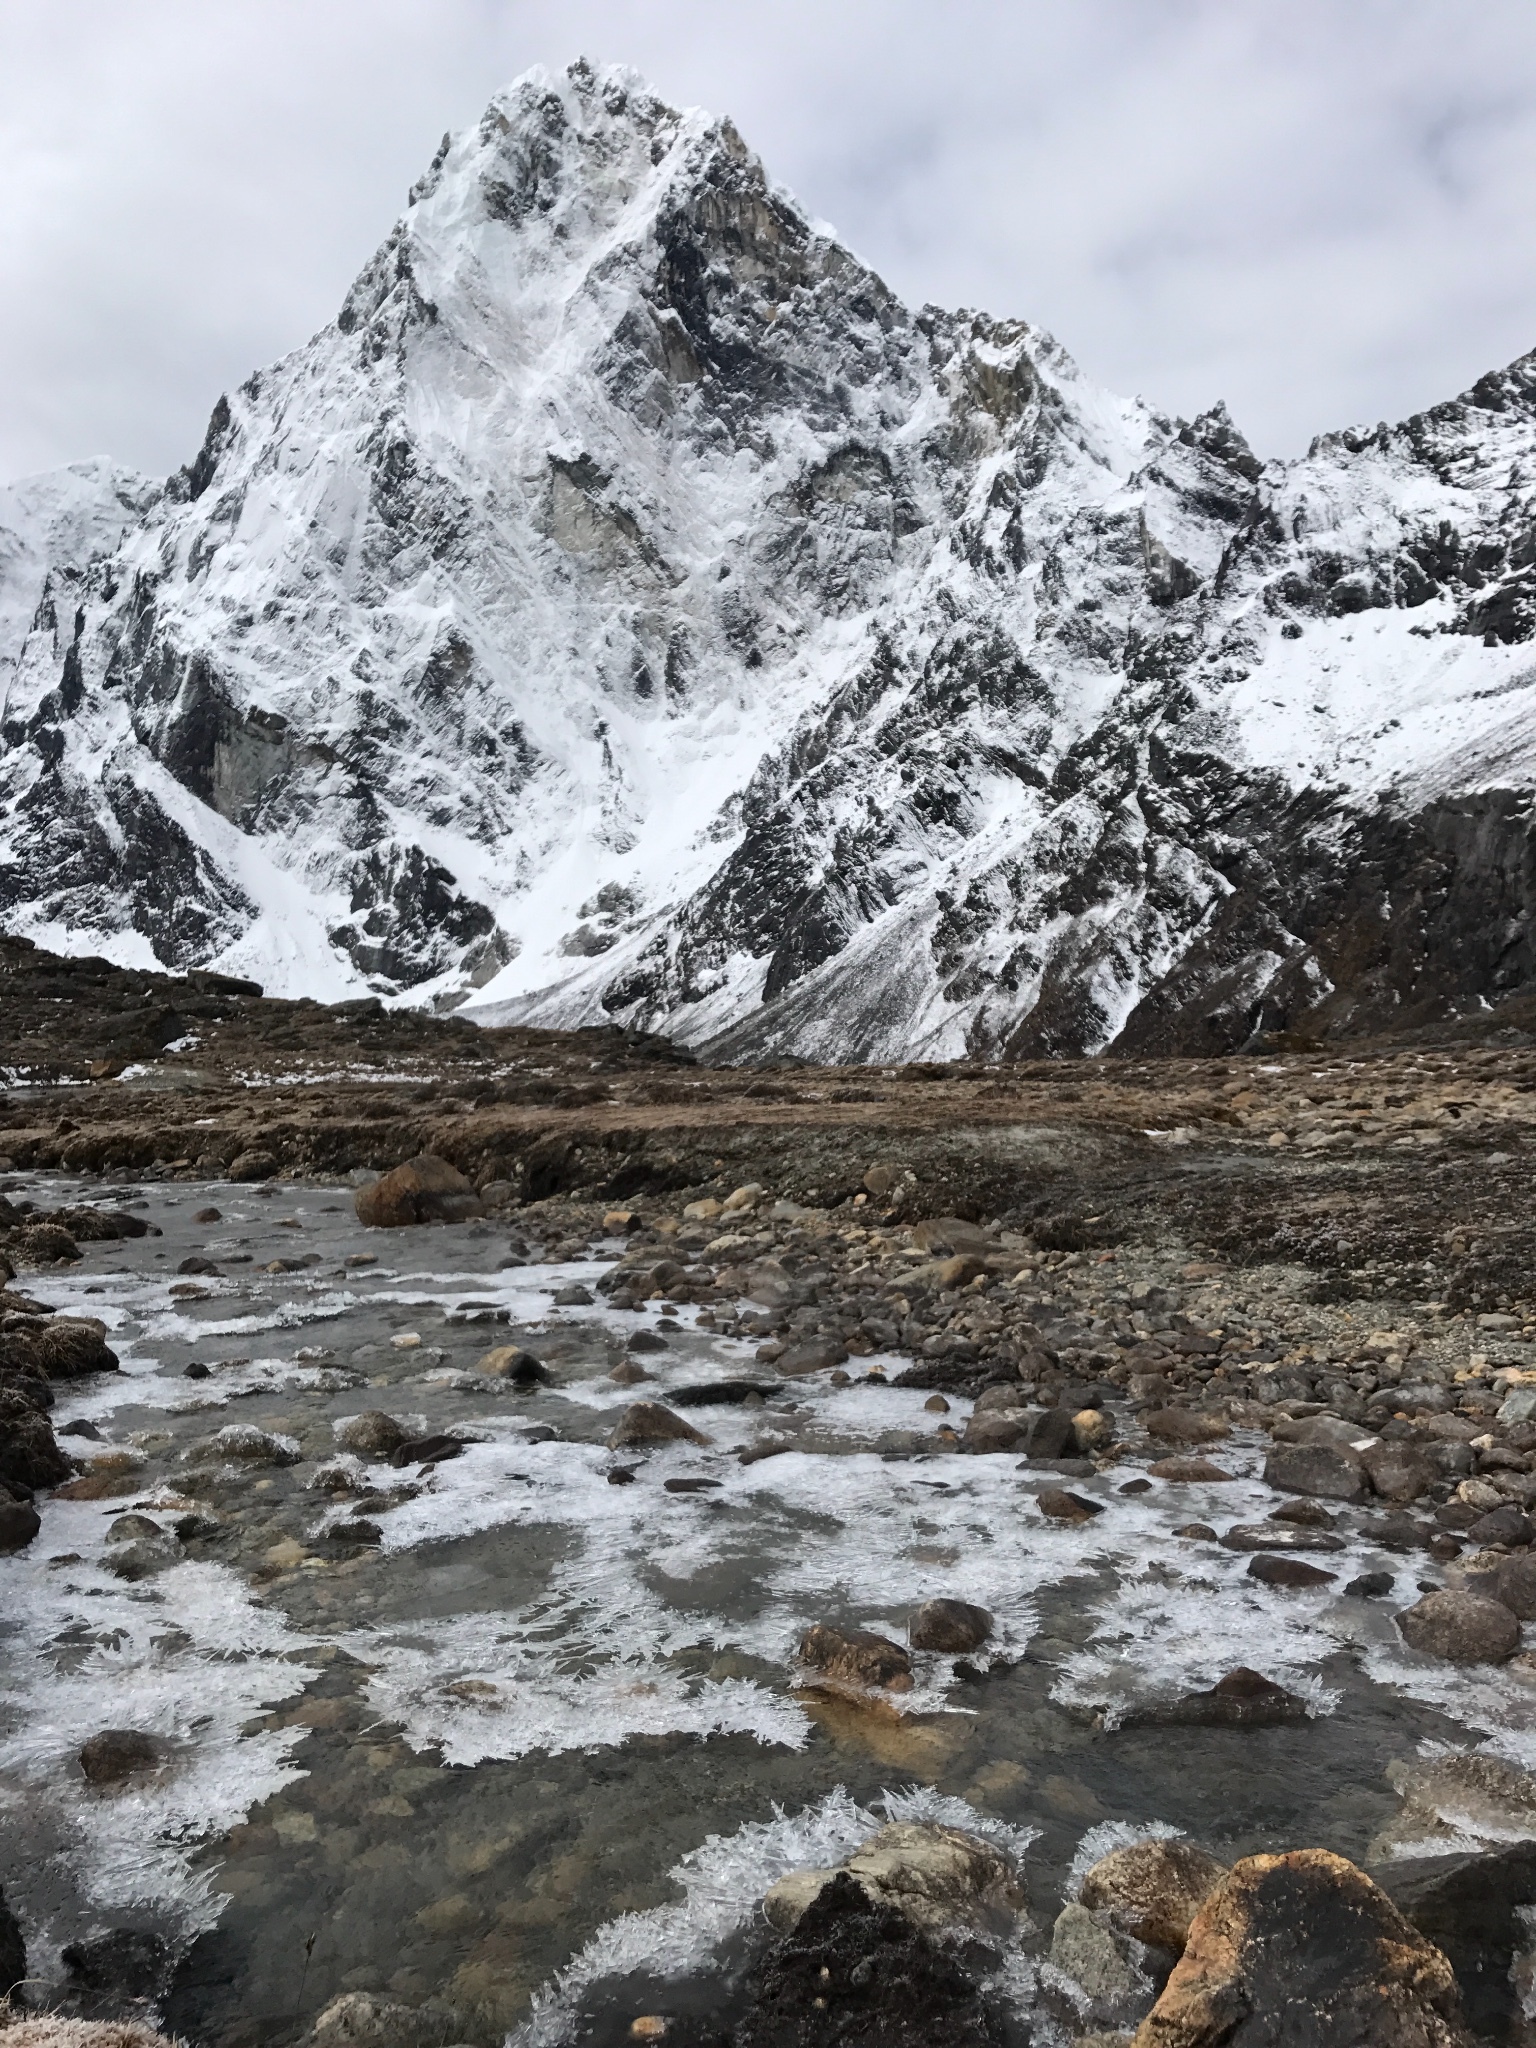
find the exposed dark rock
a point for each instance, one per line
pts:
(1303, 1947)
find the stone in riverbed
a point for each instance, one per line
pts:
(1304, 1948)
(29, 1453)
(512, 1362)
(1050, 1434)
(119, 1753)
(821, 1354)
(1306, 1514)
(1270, 1570)
(253, 1165)
(425, 1190)
(1188, 1471)
(627, 1374)
(940, 1878)
(1504, 1525)
(648, 1422)
(370, 2019)
(1371, 1586)
(19, 1524)
(1514, 1585)
(1279, 1536)
(854, 1660)
(64, 1348)
(951, 1627)
(126, 1961)
(372, 1434)
(1397, 1471)
(242, 1443)
(1243, 1699)
(1153, 1889)
(994, 1430)
(1322, 1471)
(1111, 1987)
(1461, 1628)
(1184, 1426)
(1058, 1505)
(895, 1986)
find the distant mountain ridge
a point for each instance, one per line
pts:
(627, 610)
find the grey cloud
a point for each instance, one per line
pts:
(1318, 212)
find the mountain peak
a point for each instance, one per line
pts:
(628, 608)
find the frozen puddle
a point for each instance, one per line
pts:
(549, 1721)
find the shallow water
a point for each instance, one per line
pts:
(460, 1765)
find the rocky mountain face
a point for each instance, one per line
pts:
(628, 611)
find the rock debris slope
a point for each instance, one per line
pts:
(627, 610)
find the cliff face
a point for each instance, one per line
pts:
(628, 610)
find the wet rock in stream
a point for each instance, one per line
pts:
(1303, 1948)
(863, 1973)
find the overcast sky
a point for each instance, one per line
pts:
(1320, 210)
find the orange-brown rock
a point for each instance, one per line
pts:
(1153, 1889)
(1302, 1949)
(425, 1190)
(854, 1660)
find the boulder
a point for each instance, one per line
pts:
(1243, 1699)
(1397, 1471)
(371, 1434)
(1279, 1536)
(242, 1443)
(119, 1753)
(995, 1429)
(1322, 1471)
(253, 1165)
(1461, 1628)
(1050, 1434)
(1111, 1987)
(951, 1627)
(1455, 1797)
(425, 1190)
(1469, 1906)
(1058, 1505)
(1185, 1426)
(370, 2019)
(512, 1362)
(819, 1354)
(29, 1451)
(1188, 1471)
(1503, 1525)
(1271, 1570)
(855, 1660)
(1303, 1948)
(126, 1961)
(768, 1284)
(939, 1878)
(69, 1347)
(1152, 1889)
(863, 1974)
(1514, 1585)
(648, 1422)
(19, 1523)
(1093, 1429)
(951, 1234)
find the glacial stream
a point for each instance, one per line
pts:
(539, 1747)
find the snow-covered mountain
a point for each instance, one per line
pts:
(628, 609)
